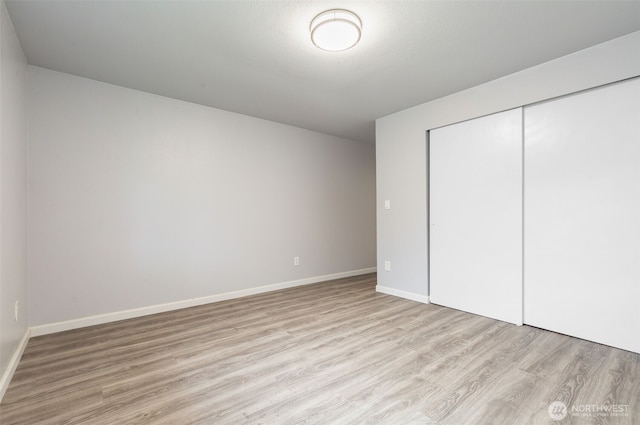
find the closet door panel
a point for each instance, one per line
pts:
(582, 215)
(475, 203)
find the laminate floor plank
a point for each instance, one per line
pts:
(331, 353)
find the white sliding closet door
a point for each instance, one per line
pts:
(475, 204)
(582, 215)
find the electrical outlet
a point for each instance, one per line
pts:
(296, 261)
(15, 310)
(387, 266)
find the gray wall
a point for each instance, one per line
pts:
(401, 146)
(139, 200)
(13, 194)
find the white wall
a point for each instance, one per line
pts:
(138, 200)
(401, 159)
(13, 198)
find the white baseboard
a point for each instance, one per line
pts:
(13, 363)
(403, 294)
(161, 308)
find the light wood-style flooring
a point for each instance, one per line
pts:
(330, 353)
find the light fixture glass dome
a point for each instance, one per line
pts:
(336, 30)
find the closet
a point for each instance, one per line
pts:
(582, 215)
(535, 215)
(475, 216)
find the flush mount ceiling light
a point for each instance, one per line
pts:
(336, 30)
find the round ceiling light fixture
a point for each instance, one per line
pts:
(336, 30)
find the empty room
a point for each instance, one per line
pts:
(319, 212)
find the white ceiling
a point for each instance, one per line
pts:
(256, 58)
